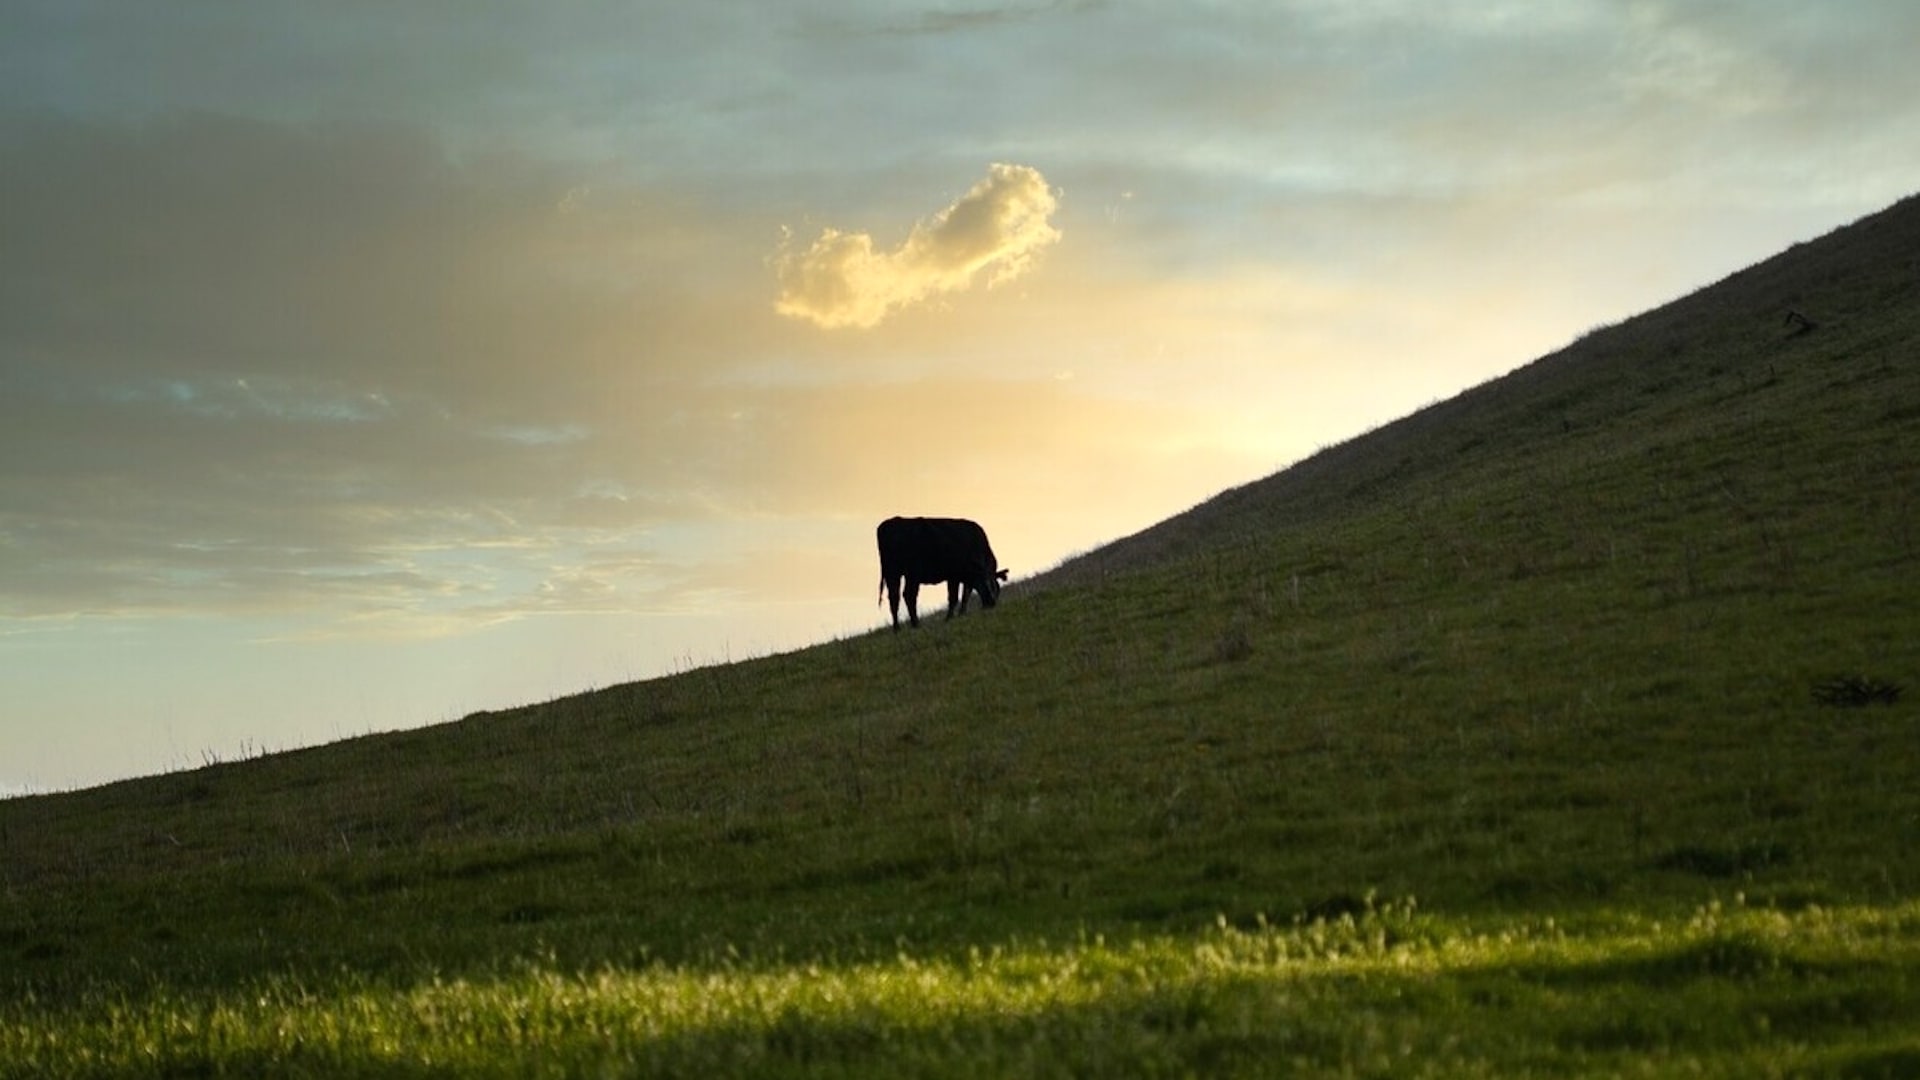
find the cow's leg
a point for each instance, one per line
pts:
(893, 601)
(913, 603)
(956, 599)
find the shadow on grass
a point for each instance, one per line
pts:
(1821, 994)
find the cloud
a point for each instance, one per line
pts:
(997, 227)
(249, 368)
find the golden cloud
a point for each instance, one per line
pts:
(996, 228)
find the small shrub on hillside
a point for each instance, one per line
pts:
(1855, 691)
(1235, 643)
(1723, 862)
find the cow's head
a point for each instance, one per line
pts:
(990, 595)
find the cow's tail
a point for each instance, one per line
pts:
(882, 595)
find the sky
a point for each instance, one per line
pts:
(364, 365)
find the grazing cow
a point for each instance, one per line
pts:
(922, 551)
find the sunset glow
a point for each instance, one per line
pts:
(364, 367)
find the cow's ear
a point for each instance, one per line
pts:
(1002, 575)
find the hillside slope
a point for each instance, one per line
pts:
(1568, 661)
(1704, 449)
(1730, 355)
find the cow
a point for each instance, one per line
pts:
(922, 551)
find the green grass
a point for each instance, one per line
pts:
(1728, 991)
(1485, 744)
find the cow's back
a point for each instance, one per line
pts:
(933, 549)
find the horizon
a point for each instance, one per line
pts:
(411, 367)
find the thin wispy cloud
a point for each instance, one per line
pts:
(991, 233)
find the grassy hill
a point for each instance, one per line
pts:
(1540, 732)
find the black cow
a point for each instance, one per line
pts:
(922, 551)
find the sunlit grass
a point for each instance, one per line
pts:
(1729, 990)
(1545, 657)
